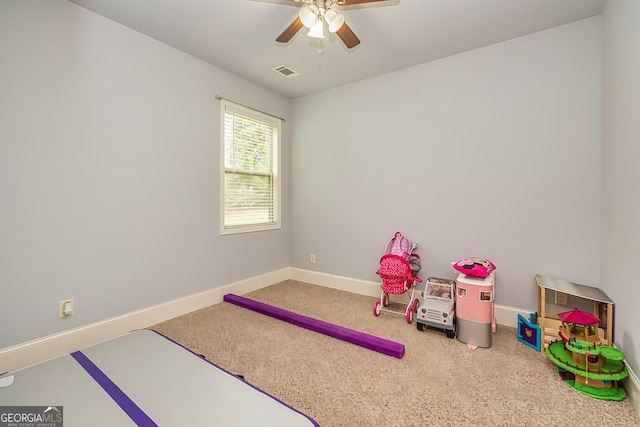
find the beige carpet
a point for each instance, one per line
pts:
(439, 381)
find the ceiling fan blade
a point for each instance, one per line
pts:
(290, 31)
(347, 36)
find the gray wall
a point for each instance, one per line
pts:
(494, 153)
(620, 172)
(109, 171)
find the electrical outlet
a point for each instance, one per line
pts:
(312, 258)
(65, 308)
(561, 298)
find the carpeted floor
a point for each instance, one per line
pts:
(439, 381)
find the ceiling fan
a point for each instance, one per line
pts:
(315, 13)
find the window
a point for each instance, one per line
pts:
(485, 295)
(250, 182)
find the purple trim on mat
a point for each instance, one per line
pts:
(132, 410)
(239, 379)
(371, 342)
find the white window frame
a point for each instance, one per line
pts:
(483, 294)
(241, 110)
(461, 292)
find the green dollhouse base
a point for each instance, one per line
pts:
(598, 393)
(607, 375)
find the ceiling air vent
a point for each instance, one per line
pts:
(286, 71)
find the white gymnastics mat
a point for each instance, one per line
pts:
(142, 378)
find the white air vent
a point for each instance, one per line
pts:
(286, 71)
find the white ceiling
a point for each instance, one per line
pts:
(239, 35)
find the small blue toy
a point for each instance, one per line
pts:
(528, 331)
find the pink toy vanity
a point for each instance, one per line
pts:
(475, 317)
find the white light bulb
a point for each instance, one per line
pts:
(334, 20)
(309, 15)
(317, 31)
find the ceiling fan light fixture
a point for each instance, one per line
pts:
(334, 20)
(309, 15)
(317, 31)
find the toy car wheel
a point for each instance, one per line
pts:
(420, 326)
(385, 300)
(416, 304)
(376, 308)
(409, 315)
(451, 333)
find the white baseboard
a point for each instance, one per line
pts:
(64, 342)
(632, 386)
(356, 286)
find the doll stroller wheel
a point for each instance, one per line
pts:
(416, 304)
(385, 299)
(409, 314)
(376, 308)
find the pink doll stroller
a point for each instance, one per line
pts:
(398, 271)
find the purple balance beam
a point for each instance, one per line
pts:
(371, 342)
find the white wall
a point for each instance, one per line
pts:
(109, 171)
(621, 175)
(494, 152)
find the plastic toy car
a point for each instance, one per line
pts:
(438, 306)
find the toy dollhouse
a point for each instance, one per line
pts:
(583, 362)
(564, 292)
